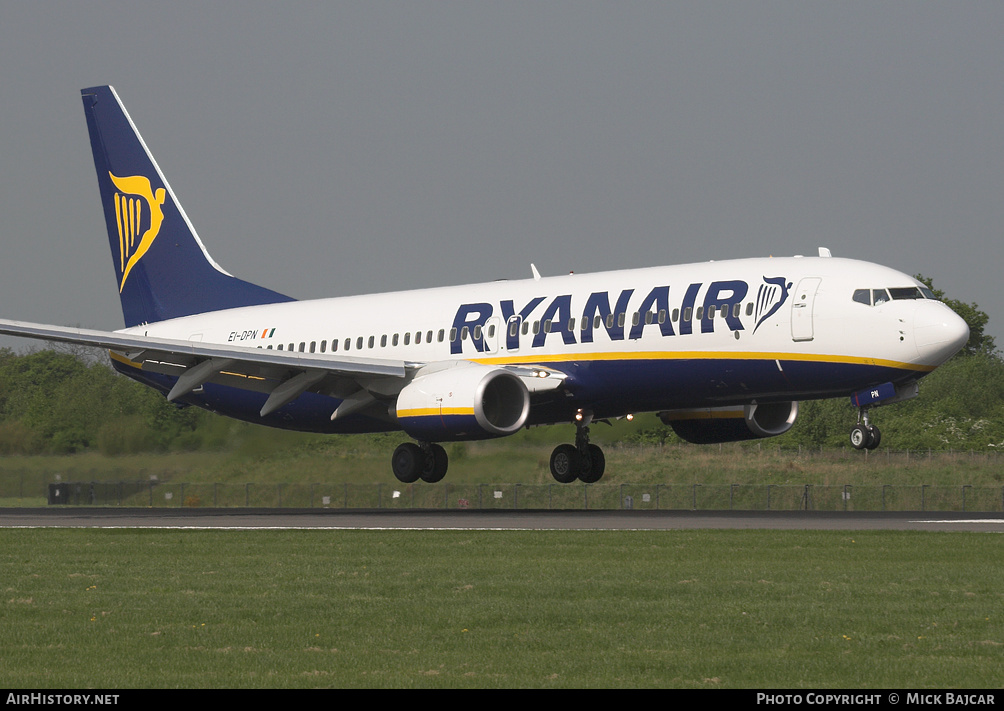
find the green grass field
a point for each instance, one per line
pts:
(682, 609)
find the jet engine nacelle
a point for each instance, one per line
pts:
(463, 401)
(732, 424)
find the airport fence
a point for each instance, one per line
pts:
(695, 497)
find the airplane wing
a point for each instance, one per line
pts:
(284, 375)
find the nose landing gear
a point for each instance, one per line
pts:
(865, 435)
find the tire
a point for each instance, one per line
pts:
(860, 437)
(407, 462)
(565, 464)
(874, 437)
(597, 463)
(435, 468)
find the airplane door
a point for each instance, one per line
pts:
(801, 309)
(512, 332)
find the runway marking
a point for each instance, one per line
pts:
(963, 520)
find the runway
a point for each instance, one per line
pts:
(376, 519)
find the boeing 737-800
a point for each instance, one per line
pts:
(722, 351)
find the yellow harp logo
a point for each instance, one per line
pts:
(138, 216)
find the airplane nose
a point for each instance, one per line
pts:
(940, 332)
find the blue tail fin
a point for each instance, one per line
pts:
(162, 269)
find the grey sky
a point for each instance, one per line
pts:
(332, 148)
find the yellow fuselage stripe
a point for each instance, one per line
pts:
(701, 355)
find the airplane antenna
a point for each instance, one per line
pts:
(536, 274)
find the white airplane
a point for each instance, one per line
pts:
(722, 351)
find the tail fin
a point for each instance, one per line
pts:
(162, 269)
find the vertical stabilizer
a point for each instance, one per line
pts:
(162, 269)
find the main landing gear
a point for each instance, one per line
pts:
(865, 435)
(426, 461)
(582, 461)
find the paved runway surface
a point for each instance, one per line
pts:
(265, 519)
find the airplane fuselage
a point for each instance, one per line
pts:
(697, 335)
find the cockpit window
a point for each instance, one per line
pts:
(899, 293)
(909, 292)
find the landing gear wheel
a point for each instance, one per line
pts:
(874, 437)
(436, 462)
(593, 471)
(408, 462)
(565, 463)
(860, 437)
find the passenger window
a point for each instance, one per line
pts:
(491, 331)
(749, 309)
(359, 343)
(334, 345)
(313, 346)
(348, 343)
(862, 296)
(395, 339)
(442, 334)
(736, 309)
(536, 327)
(571, 324)
(662, 315)
(687, 313)
(383, 341)
(526, 327)
(418, 336)
(270, 346)
(324, 346)
(463, 334)
(291, 347)
(610, 321)
(596, 322)
(407, 338)
(636, 318)
(428, 337)
(547, 326)
(699, 314)
(620, 319)
(513, 328)
(711, 311)
(676, 315)
(279, 348)
(370, 343)
(477, 332)
(453, 334)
